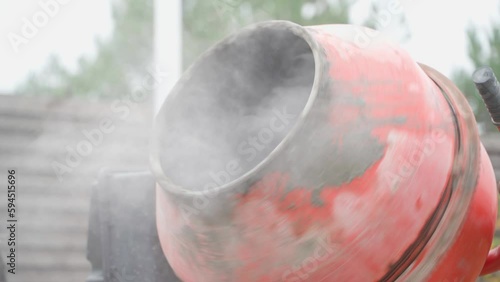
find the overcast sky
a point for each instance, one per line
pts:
(437, 32)
(69, 33)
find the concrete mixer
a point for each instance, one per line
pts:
(291, 153)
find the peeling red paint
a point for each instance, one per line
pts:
(386, 148)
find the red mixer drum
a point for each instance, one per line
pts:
(323, 153)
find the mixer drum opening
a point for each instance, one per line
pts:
(233, 107)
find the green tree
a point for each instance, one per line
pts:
(206, 22)
(120, 58)
(483, 50)
(128, 52)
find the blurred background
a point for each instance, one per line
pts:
(80, 82)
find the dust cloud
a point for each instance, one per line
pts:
(234, 106)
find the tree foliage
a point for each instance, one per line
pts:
(120, 58)
(483, 50)
(128, 51)
(222, 17)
